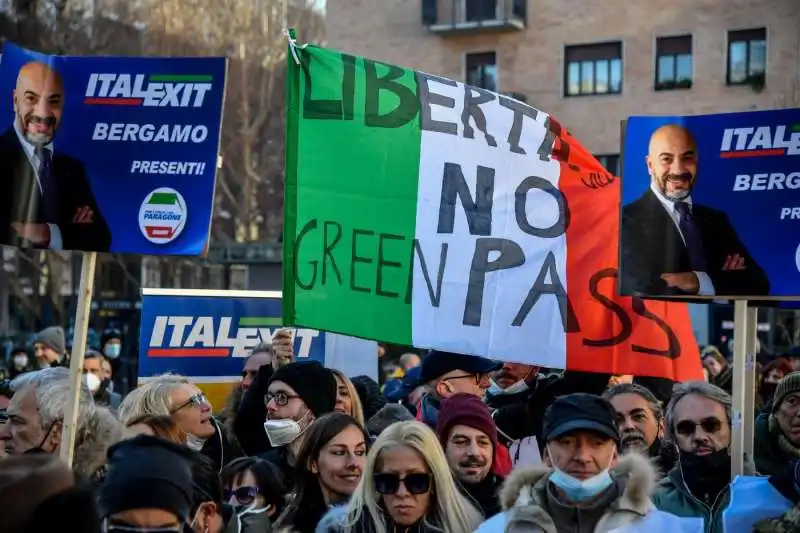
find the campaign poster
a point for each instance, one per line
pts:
(711, 206)
(207, 338)
(109, 154)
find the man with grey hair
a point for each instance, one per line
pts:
(36, 421)
(640, 418)
(698, 422)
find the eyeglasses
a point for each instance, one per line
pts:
(281, 398)
(197, 400)
(478, 377)
(244, 495)
(687, 428)
(390, 483)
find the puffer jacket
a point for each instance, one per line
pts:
(524, 498)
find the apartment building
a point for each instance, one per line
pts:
(591, 63)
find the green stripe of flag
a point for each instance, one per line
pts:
(352, 190)
(196, 78)
(796, 127)
(260, 321)
(163, 198)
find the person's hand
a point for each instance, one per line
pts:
(283, 348)
(685, 281)
(36, 233)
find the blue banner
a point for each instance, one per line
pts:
(109, 153)
(711, 206)
(210, 336)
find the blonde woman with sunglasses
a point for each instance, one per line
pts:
(406, 486)
(175, 396)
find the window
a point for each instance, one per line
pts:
(482, 70)
(747, 56)
(480, 10)
(673, 63)
(610, 162)
(593, 69)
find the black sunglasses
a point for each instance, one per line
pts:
(243, 495)
(390, 483)
(687, 428)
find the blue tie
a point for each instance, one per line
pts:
(48, 202)
(691, 234)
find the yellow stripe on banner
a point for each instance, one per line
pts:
(217, 393)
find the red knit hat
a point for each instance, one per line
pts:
(467, 410)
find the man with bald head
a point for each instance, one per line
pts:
(46, 200)
(672, 246)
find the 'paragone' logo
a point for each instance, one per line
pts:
(162, 216)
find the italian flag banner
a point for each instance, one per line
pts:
(424, 212)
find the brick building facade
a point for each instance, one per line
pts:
(591, 63)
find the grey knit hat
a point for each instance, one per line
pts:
(789, 384)
(54, 338)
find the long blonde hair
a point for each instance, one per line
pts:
(449, 511)
(356, 410)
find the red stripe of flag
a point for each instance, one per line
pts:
(752, 153)
(162, 232)
(188, 352)
(113, 101)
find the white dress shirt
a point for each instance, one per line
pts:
(33, 158)
(706, 285)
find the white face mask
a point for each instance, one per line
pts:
(92, 382)
(20, 361)
(194, 442)
(516, 388)
(282, 431)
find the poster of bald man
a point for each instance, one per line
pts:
(711, 206)
(108, 154)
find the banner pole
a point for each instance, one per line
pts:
(82, 314)
(738, 412)
(750, 382)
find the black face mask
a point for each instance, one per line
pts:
(706, 475)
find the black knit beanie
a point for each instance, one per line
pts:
(147, 472)
(369, 392)
(314, 383)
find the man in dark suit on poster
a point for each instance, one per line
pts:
(46, 200)
(672, 246)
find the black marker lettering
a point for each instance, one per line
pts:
(405, 111)
(511, 256)
(559, 227)
(309, 226)
(473, 98)
(478, 211)
(427, 99)
(569, 321)
(327, 254)
(355, 258)
(520, 111)
(627, 324)
(384, 263)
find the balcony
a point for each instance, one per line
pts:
(245, 253)
(460, 17)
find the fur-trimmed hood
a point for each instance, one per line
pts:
(102, 432)
(637, 470)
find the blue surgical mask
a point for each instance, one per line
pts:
(112, 350)
(578, 490)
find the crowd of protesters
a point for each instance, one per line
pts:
(451, 443)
